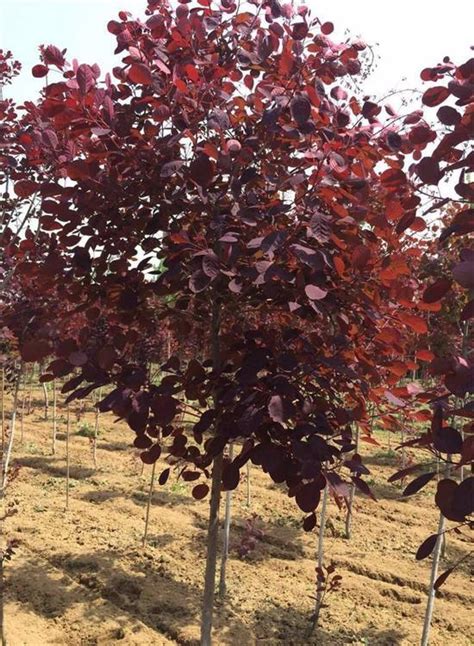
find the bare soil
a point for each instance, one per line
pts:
(82, 577)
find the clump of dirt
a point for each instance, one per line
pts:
(81, 576)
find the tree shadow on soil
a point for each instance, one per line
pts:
(149, 594)
(159, 499)
(114, 446)
(275, 624)
(276, 542)
(55, 467)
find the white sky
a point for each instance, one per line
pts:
(412, 34)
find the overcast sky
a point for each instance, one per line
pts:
(412, 34)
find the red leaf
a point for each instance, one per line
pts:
(39, 71)
(392, 178)
(360, 256)
(448, 115)
(426, 547)
(25, 187)
(85, 78)
(230, 477)
(435, 95)
(34, 351)
(327, 28)
(275, 409)
(363, 487)
(164, 475)
(164, 408)
(140, 73)
(202, 170)
(442, 578)
(192, 73)
(301, 109)
(300, 30)
(415, 322)
(308, 496)
(463, 274)
(200, 491)
(437, 290)
(418, 483)
(428, 170)
(309, 522)
(448, 440)
(315, 293)
(424, 355)
(403, 472)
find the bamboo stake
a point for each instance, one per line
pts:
(225, 546)
(54, 418)
(434, 575)
(148, 504)
(68, 428)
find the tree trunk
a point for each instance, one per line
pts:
(148, 504)
(248, 483)
(214, 503)
(7, 453)
(96, 430)
(30, 388)
(431, 591)
(22, 416)
(2, 584)
(3, 410)
(225, 544)
(322, 527)
(46, 401)
(212, 541)
(352, 493)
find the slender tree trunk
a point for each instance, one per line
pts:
(321, 535)
(22, 416)
(96, 430)
(30, 388)
(212, 541)
(3, 410)
(3, 542)
(215, 498)
(46, 401)
(322, 528)
(248, 483)
(6, 455)
(3, 546)
(2, 584)
(352, 493)
(68, 430)
(225, 544)
(148, 504)
(431, 591)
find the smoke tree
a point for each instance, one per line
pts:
(231, 146)
(453, 96)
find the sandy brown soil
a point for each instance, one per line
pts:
(81, 577)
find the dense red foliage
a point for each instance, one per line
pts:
(230, 148)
